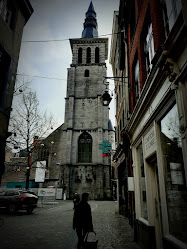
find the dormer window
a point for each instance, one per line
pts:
(88, 55)
(97, 55)
(79, 55)
(86, 73)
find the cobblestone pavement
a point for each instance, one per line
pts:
(50, 227)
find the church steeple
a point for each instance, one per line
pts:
(90, 23)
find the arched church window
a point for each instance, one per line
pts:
(85, 148)
(88, 55)
(80, 55)
(97, 55)
(86, 73)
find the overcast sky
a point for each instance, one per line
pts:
(53, 20)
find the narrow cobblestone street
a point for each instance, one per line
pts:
(50, 227)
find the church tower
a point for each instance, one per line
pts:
(87, 128)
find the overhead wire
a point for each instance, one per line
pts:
(55, 40)
(51, 78)
(60, 40)
(43, 77)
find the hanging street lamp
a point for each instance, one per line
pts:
(105, 98)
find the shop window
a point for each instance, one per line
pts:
(4, 66)
(7, 12)
(171, 10)
(143, 197)
(88, 55)
(137, 80)
(85, 148)
(97, 55)
(80, 55)
(174, 174)
(86, 73)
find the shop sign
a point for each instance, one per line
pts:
(150, 142)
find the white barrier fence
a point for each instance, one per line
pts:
(46, 195)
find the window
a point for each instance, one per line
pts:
(175, 181)
(42, 153)
(85, 148)
(117, 102)
(88, 55)
(86, 73)
(123, 118)
(143, 197)
(97, 55)
(4, 66)
(80, 55)
(149, 48)
(137, 80)
(7, 12)
(171, 10)
(132, 22)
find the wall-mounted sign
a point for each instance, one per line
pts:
(40, 171)
(105, 147)
(150, 142)
(130, 183)
(46, 191)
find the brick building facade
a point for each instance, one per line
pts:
(155, 136)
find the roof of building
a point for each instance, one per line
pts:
(90, 23)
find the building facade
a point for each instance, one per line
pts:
(156, 134)
(81, 144)
(13, 16)
(122, 156)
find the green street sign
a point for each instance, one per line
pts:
(105, 147)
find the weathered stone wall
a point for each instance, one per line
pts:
(93, 179)
(91, 43)
(84, 112)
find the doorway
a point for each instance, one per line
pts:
(155, 199)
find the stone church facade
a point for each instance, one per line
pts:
(82, 166)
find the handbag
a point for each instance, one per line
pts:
(91, 244)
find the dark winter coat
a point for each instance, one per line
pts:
(76, 198)
(82, 216)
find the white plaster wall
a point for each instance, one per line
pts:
(153, 106)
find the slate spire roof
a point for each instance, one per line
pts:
(90, 23)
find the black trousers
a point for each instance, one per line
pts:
(81, 233)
